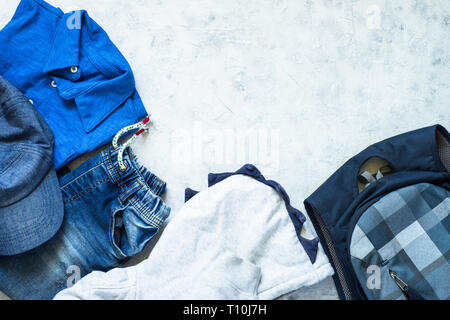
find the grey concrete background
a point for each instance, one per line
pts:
(315, 81)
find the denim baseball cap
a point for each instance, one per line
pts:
(31, 205)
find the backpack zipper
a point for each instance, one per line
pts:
(337, 264)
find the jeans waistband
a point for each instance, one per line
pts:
(131, 184)
(135, 175)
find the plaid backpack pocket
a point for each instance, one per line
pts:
(400, 245)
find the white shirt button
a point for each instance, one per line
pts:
(31, 101)
(74, 69)
(53, 84)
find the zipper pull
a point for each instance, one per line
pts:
(400, 283)
(410, 293)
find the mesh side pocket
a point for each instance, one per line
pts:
(444, 149)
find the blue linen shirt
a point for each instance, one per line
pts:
(75, 76)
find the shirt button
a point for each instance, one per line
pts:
(53, 84)
(31, 101)
(74, 69)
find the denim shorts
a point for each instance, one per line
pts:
(110, 216)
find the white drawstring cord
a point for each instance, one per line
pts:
(142, 126)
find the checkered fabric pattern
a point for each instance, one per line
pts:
(406, 231)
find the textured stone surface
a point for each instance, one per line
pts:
(315, 81)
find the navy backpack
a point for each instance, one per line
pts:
(383, 219)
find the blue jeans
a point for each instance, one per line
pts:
(110, 216)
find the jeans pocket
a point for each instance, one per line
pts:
(129, 233)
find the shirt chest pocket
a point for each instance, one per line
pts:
(95, 92)
(87, 68)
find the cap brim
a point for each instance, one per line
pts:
(33, 220)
